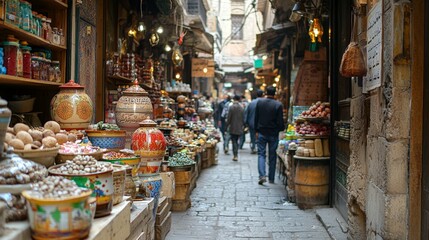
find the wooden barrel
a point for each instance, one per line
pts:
(311, 181)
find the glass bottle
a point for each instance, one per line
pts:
(19, 64)
(44, 28)
(57, 71)
(26, 59)
(55, 36)
(49, 30)
(51, 71)
(35, 67)
(25, 16)
(62, 38)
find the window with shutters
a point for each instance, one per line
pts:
(236, 27)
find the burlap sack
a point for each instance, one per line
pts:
(353, 62)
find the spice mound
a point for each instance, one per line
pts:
(82, 164)
(56, 187)
(118, 155)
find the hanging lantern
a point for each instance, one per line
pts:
(176, 56)
(316, 31)
(154, 39)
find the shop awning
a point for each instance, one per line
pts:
(273, 37)
(199, 40)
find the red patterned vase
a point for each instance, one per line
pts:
(72, 107)
(149, 142)
(133, 107)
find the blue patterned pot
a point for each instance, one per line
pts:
(110, 139)
(150, 187)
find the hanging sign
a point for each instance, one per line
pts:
(374, 45)
(202, 67)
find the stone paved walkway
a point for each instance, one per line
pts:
(229, 204)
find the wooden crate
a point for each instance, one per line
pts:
(210, 155)
(162, 230)
(182, 192)
(204, 159)
(182, 177)
(163, 210)
(180, 205)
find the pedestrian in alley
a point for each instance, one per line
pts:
(244, 103)
(268, 124)
(249, 117)
(222, 121)
(235, 124)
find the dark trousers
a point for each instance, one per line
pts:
(252, 133)
(272, 142)
(234, 140)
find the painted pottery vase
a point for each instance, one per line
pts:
(72, 108)
(149, 142)
(59, 218)
(150, 187)
(132, 162)
(100, 183)
(133, 107)
(5, 115)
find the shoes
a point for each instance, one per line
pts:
(235, 158)
(262, 180)
(271, 181)
(225, 151)
(253, 151)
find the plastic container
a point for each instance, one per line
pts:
(10, 56)
(26, 59)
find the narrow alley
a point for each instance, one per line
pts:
(229, 204)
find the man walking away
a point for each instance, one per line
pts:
(268, 124)
(235, 124)
(222, 122)
(244, 103)
(249, 114)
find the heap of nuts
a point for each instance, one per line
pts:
(83, 164)
(15, 170)
(56, 187)
(118, 155)
(173, 141)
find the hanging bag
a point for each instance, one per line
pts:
(353, 62)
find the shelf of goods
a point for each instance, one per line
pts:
(51, 47)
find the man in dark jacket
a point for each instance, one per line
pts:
(235, 124)
(249, 116)
(222, 122)
(268, 124)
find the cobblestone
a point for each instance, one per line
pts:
(228, 204)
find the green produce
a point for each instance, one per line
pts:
(106, 126)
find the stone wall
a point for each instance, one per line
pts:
(380, 129)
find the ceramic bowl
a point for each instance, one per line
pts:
(65, 218)
(101, 183)
(45, 156)
(131, 161)
(113, 140)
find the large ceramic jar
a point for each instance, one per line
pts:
(72, 107)
(5, 115)
(149, 142)
(133, 107)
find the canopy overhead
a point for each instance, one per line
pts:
(273, 37)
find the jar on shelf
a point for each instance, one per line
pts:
(12, 12)
(55, 36)
(49, 30)
(10, 55)
(51, 72)
(19, 64)
(34, 23)
(40, 25)
(25, 16)
(46, 66)
(43, 73)
(26, 59)
(44, 28)
(35, 67)
(57, 71)
(62, 38)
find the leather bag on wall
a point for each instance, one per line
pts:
(353, 63)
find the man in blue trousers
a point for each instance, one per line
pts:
(268, 124)
(249, 116)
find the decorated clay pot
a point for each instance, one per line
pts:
(72, 107)
(5, 115)
(149, 142)
(150, 187)
(133, 107)
(60, 218)
(110, 139)
(101, 183)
